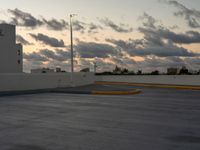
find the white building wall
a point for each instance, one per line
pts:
(9, 50)
(25, 82)
(160, 79)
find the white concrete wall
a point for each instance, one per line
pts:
(161, 79)
(21, 82)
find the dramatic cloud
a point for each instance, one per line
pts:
(92, 50)
(86, 27)
(58, 55)
(21, 40)
(93, 28)
(21, 18)
(192, 16)
(48, 55)
(79, 26)
(24, 19)
(122, 28)
(34, 56)
(48, 40)
(158, 41)
(157, 33)
(138, 48)
(56, 25)
(160, 46)
(148, 21)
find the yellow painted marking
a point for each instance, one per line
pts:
(180, 87)
(132, 92)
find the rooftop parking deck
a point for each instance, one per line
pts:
(157, 119)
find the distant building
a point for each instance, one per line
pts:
(42, 70)
(172, 71)
(59, 70)
(11, 54)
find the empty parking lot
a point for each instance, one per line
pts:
(164, 119)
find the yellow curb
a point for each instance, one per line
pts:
(133, 92)
(179, 87)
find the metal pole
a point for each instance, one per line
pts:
(95, 68)
(72, 51)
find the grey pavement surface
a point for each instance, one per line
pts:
(157, 119)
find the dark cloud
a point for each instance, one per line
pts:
(93, 28)
(122, 28)
(21, 18)
(148, 21)
(35, 57)
(130, 44)
(163, 51)
(149, 25)
(136, 48)
(158, 41)
(56, 25)
(21, 40)
(24, 19)
(48, 40)
(52, 59)
(79, 26)
(192, 16)
(92, 50)
(48, 55)
(155, 34)
(189, 37)
(58, 55)
(86, 27)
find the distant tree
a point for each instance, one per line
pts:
(139, 72)
(117, 70)
(124, 71)
(184, 71)
(156, 72)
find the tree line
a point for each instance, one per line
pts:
(171, 71)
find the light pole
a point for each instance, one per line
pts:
(71, 38)
(95, 67)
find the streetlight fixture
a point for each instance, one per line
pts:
(72, 50)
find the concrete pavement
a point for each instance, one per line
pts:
(160, 119)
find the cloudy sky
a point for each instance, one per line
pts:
(136, 34)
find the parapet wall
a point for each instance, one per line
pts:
(151, 79)
(23, 82)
